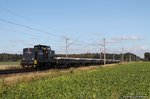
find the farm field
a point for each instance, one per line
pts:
(8, 65)
(130, 80)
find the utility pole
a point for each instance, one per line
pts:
(113, 56)
(130, 56)
(135, 57)
(122, 55)
(104, 51)
(66, 47)
(100, 54)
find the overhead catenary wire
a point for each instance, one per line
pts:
(28, 27)
(16, 14)
(31, 28)
(16, 31)
(26, 18)
(25, 33)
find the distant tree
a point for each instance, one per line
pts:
(147, 56)
(4, 57)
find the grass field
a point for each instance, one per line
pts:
(8, 65)
(123, 81)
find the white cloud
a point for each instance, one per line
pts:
(112, 41)
(141, 48)
(128, 38)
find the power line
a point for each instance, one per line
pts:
(25, 18)
(38, 30)
(32, 35)
(14, 13)
(24, 26)
(122, 57)
(16, 31)
(28, 27)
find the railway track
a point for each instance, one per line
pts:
(19, 71)
(15, 71)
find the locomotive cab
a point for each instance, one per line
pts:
(28, 59)
(40, 56)
(43, 54)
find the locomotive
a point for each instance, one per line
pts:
(42, 56)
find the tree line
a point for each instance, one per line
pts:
(4, 57)
(147, 56)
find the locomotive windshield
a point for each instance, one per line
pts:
(28, 54)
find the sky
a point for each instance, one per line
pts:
(85, 23)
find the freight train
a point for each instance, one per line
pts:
(42, 56)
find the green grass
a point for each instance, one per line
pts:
(116, 82)
(9, 63)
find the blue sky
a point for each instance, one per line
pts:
(124, 24)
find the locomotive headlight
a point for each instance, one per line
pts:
(35, 62)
